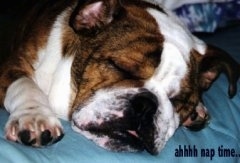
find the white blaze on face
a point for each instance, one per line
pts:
(176, 32)
(166, 81)
(105, 104)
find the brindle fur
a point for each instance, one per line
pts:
(101, 61)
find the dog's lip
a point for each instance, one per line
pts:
(131, 132)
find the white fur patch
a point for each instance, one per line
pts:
(103, 105)
(60, 90)
(49, 57)
(53, 72)
(175, 32)
(168, 75)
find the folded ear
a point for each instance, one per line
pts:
(94, 14)
(213, 63)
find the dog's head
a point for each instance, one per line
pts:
(138, 74)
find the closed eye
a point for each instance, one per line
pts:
(124, 72)
(155, 56)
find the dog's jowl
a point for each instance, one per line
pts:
(126, 73)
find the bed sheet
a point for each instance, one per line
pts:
(219, 142)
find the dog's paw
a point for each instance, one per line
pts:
(198, 119)
(34, 129)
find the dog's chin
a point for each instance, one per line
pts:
(137, 140)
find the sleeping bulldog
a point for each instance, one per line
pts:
(126, 74)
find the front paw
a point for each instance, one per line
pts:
(33, 129)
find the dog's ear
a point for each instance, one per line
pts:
(94, 14)
(213, 63)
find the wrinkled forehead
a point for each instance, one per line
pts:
(134, 25)
(140, 12)
(125, 52)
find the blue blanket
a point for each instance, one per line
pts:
(219, 142)
(207, 17)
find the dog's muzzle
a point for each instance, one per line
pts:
(144, 106)
(120, 119)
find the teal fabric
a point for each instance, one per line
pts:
(223, 132)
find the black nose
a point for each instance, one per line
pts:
(144, 105)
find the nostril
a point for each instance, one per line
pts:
(144, 104)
